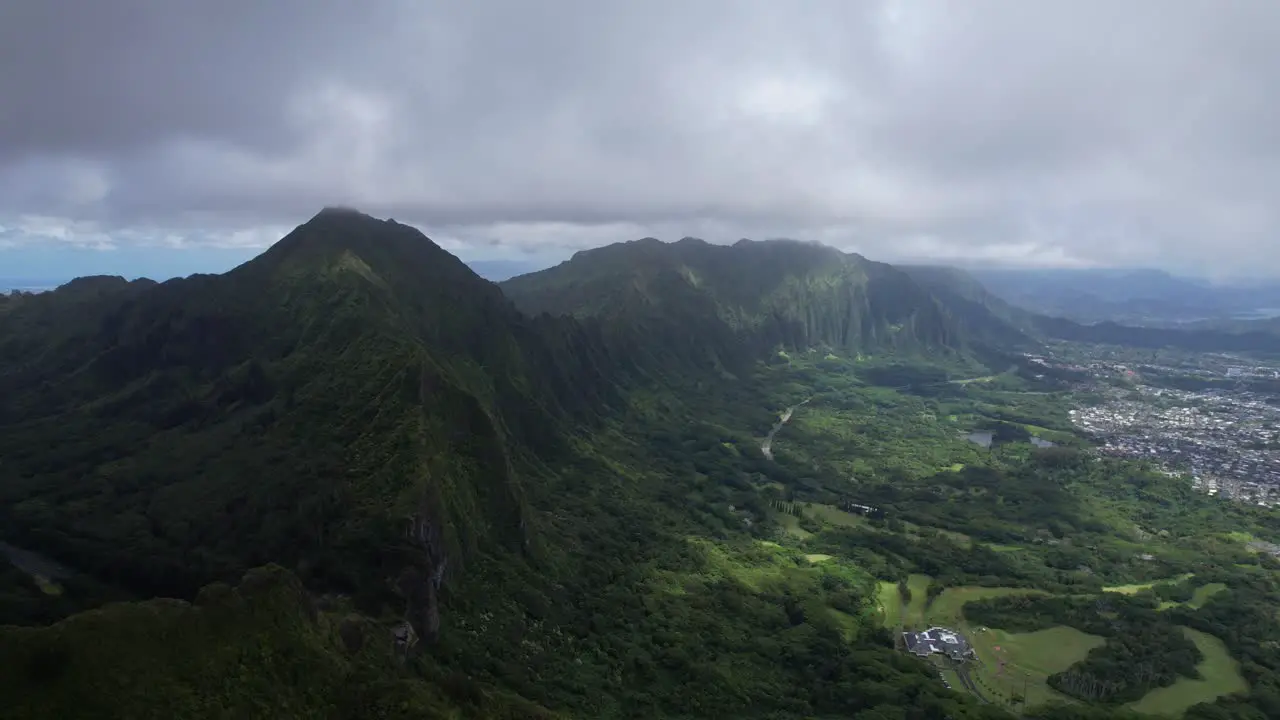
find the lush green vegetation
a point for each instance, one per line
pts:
(264, 649)
(574, 517)
(562, 527)
(1015, 665)
(731, 303)
(903, 602)
(1143, 649)
(30, 597)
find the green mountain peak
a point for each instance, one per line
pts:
(743, 300)
(354, 402)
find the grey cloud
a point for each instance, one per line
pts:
(102, 78)
(1061, 132)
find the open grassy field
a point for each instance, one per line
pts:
(891, 606)
(1135, 588)
(791, 524)
(833, 515)
(1011, 664)
(1029, 658)
(848, 623)
(1204, 592)
(1220, 673)
(1199, 597)
(947, 608)
(889, 603)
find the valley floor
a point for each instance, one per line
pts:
(868, 432)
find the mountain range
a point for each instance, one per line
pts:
(1129, 296)
(721, 306)
(411, 440)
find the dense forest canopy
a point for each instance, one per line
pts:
(373, 484)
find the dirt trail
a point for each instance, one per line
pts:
(766, 447)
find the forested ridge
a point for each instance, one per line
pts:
(379, 486)
(737, 302)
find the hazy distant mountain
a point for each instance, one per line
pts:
(982, 315)
(987, 318)
(1130, 296)
(499, 270)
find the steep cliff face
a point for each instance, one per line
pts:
(753, 296)
(354, 402)
(981, 315)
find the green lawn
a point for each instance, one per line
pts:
(791, 524)
(1220, 673)
(893, 612)
(848, 623)
(1199, 597)
(833, 515)
(1029, 659)
(946, 609)
(1204, 592)
(889, 604)
(1135, 588)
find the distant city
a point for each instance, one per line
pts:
(1218, 428)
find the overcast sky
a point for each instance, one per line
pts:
(182, 134)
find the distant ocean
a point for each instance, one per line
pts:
(8, 285)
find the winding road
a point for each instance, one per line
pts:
(766, 447)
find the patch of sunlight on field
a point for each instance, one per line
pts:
(1135, 588)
